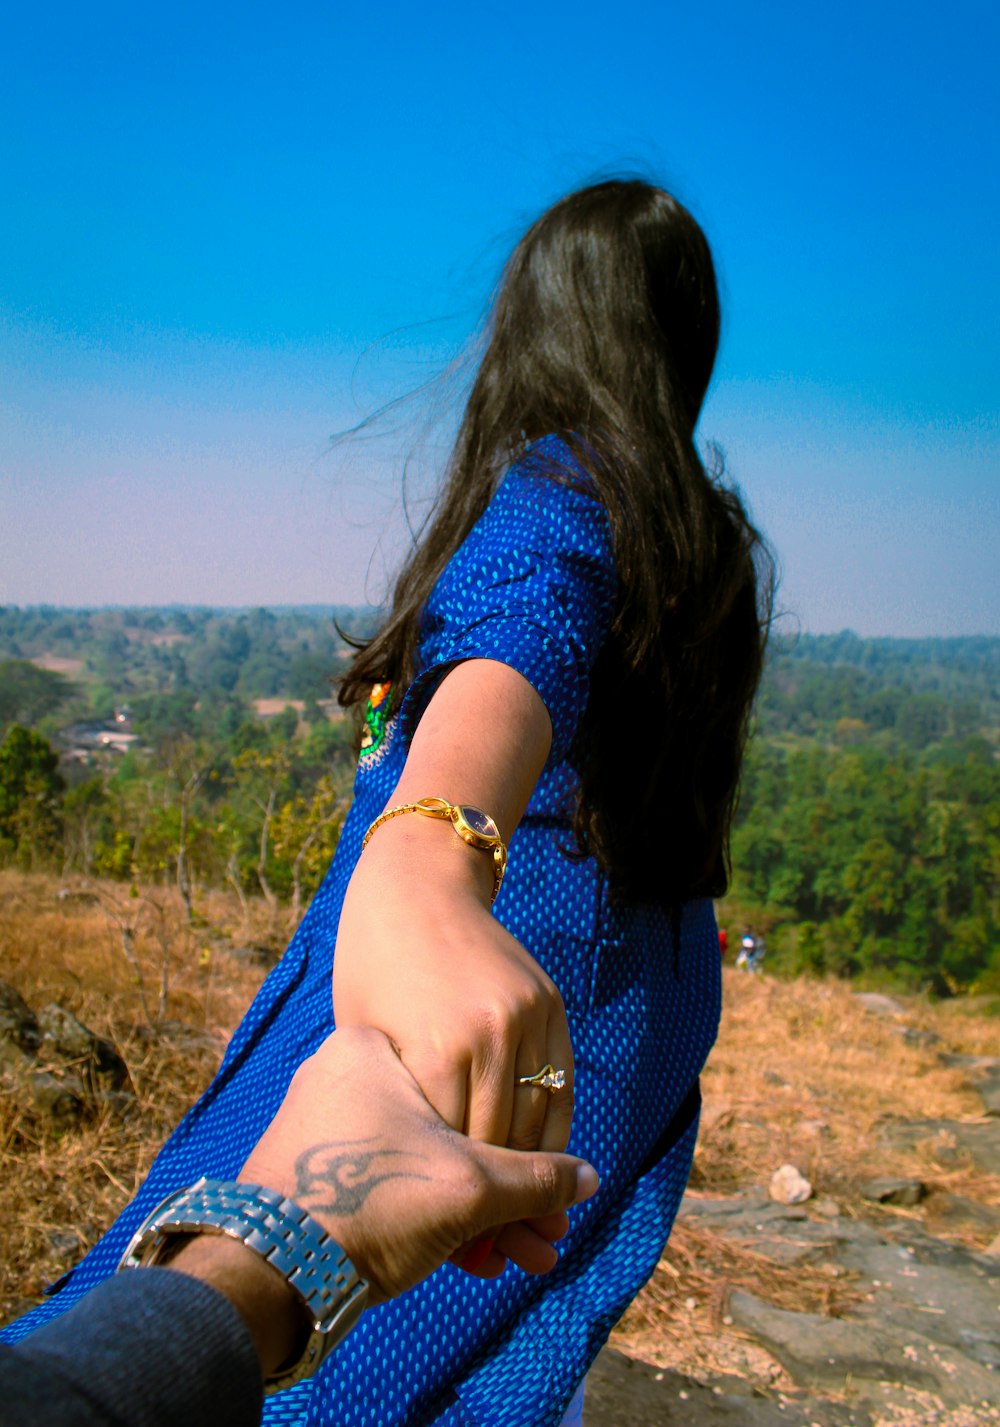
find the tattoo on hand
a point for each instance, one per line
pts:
(337, 1177)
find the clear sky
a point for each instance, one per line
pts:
(227, 231)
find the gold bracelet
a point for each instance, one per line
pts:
(472, 825)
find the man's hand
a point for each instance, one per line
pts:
(357, 1145)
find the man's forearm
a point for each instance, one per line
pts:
(271, 1310)
(147, 1349)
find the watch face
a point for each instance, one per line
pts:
(479, 821)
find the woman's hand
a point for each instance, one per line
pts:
(419, 954)
(421, 958)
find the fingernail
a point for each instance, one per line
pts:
(587, 1182)
(477, 1255)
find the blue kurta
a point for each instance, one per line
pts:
(533, 586)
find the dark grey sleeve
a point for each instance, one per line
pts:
(148, 1348)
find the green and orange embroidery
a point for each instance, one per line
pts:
(377, 713)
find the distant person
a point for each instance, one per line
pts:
(192, 1344)
(747, 952)
(556, 714)
(723, 942)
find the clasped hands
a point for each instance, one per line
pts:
(357, 1145)
(469, 1009)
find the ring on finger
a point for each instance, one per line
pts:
(548, 1078)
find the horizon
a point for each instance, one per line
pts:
(322, 609)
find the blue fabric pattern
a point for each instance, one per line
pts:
(532, 586)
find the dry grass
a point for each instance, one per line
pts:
(802, 1074)
(63, 1187)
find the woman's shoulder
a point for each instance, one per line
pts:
(551, 458)
(546, 501)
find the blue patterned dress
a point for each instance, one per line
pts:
(532, 586)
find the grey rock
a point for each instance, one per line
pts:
(63, 1101)
(939, 1290)
(887, 1190)
(59, 1098)
(986, 1084)
(834, 1354)
(18, 1026)
(66, 1242)
(826, 1208)
(809, 1233)
(70, 1039)
(121, 1104)
(916, 1035)
(957, 1209)
(789, 1251)
(734, 1206)
(927, 1321)
(855, 1233)
(746, 1217)
(878, 1004)
(931, 1249)
(53, 1062)
(969, 1062)
(64, 1033)
(951, 1140)
(983, 1078)
(625, 1392)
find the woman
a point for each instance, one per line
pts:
(567, 667)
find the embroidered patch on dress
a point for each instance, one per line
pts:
(376, 727)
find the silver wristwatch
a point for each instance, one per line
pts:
(286, 1236)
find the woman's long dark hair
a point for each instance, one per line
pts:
(604, 330)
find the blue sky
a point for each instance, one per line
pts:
(229, 231)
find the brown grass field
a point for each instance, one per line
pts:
(801, 1073)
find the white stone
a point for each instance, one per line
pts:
(789, 1186)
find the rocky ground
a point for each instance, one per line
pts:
(920, 1340)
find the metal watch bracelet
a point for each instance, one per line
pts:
(282, 1233)
(471, 824)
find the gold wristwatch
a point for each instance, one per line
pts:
(472, 825)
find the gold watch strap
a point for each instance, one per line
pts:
(471, 824)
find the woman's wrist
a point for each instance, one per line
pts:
(422, 857)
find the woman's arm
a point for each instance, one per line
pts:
(419, 954)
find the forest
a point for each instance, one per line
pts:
(203, 747)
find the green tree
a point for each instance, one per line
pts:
(31, 789)
(28, 693)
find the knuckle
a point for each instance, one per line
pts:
(547, 1177)
(546, 989)
(472, 1187)
(531, 1000)
(494, 1019)
(435, 1044)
